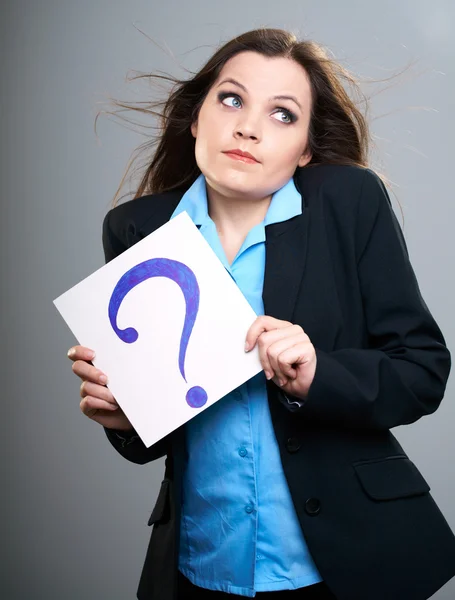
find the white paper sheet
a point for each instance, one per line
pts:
(145, 376)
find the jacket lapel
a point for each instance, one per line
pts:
(286, 254)
(159, 210)
(298, 258)
(299, 282)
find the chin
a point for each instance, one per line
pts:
(233, 183)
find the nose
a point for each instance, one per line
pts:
(247, 128)
(243, 133)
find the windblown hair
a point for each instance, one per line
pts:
(338, 132)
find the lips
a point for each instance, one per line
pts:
(238, 154)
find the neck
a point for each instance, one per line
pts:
(234, 213)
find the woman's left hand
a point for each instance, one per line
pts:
(286, 353)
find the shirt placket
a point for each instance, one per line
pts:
(246, 449)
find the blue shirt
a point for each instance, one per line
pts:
(239, 531)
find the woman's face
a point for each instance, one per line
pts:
(258, 105)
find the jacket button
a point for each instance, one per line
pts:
(292, 445)
(312, 507)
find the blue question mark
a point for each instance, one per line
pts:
(186, 280)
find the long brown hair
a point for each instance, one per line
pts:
(338, 132)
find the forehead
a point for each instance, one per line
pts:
(263, 74)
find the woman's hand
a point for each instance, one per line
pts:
(286, 353)
(97, 401)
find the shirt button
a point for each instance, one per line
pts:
(243, 451)
(249, 509)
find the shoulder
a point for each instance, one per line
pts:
(351, 201)
(125, 221)
(351, 196)
(344, 185)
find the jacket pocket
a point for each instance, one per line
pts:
(390, 478)
(160, 513)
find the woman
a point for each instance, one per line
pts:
(292, 485)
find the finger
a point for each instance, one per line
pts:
(88, 388)
(282, 361)
(260, 325)
(81, 353)
(288, 336)
(299, 355)
(90, 405)
(279, 382)
(87, 371)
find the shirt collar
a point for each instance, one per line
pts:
(286, 203)
(194, 202)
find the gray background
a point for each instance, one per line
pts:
(76, 511)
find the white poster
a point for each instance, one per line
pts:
(168, 325)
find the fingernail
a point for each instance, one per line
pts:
(247, 346)
(103, 379)
(91, 355)
(71, 352)
(268, 375)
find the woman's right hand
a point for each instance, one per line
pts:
(97, 402)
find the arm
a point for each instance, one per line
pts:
(403, 374)
(128, 443)
(131, 447)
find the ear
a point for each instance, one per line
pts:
(194, 128)
(306, 157)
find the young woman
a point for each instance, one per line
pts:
(292, 486)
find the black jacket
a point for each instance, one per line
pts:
(341, 271)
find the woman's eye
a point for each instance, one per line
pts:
(230, 100)
(288, 116)
(233, 100)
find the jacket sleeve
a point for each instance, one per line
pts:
(402, 372)
(128, 443)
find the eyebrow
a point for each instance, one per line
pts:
(280, 97)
